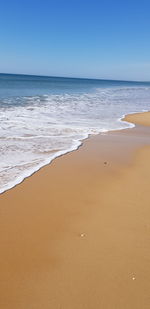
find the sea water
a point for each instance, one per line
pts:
(42, 118)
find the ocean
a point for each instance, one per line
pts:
(42, 118)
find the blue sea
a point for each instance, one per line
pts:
(42, 118)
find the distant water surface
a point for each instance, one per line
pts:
(44, 117)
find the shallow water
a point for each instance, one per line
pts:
(44, 117)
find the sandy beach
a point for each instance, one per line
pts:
(76, 234)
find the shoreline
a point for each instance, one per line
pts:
(76, 234)
(142, 118)
(64, 152)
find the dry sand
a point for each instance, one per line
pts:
(141, 118)
(76, 235)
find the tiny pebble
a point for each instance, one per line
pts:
(133, 278)
(82, 235)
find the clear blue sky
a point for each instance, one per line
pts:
(81, 38)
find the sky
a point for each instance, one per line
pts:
(108, 39)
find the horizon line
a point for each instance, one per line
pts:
(68, 77)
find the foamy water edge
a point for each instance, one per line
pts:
(58, 154)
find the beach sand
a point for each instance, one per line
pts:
(141, 118)
(76, 235)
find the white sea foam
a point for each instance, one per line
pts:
(35, 130)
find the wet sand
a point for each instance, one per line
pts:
(76, 235)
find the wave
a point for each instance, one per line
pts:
(37, 129)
